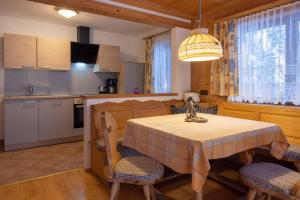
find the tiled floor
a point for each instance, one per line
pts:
(32, 163)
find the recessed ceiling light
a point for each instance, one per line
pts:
(66, 12)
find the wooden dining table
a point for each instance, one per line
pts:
(187, 147)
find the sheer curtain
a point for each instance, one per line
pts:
(161, 63)
(269, 56)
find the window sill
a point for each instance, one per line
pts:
(256, 105)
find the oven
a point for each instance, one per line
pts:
(78, 116)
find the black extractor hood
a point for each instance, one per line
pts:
(82, 51)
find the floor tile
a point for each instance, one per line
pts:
(32, 163)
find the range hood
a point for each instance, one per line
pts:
(82, 51)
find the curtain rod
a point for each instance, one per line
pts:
(256, 10)
(151, 36)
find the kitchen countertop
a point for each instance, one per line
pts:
(88, 96)
(25, 97)
(106, 96)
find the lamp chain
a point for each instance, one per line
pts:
(199, 13)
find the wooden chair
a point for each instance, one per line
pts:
(271, 179)
(137, 170)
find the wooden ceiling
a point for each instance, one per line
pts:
(189, 8)
(186, 9)
(180, 8)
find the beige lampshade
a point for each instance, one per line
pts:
(200, 46)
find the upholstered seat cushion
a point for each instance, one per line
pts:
(270, 176)
(293, 153)
(209, 109)
(139, 168)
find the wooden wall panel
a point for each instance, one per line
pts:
(252, 115)
(288, 118)
(200, 76)
(287, 122)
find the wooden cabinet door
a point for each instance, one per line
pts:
(19, 51)
(21, 122)
(55, 118)
(53, 54)
(109, 58)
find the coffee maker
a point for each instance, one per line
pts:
(112, 86)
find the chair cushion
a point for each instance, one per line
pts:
(209, 109)
(139, 168)
(293, 153)
(270, 177)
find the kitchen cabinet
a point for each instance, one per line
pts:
(19, 51)
(53, 54)
(108, 59)
(55, 118)
(21, 122)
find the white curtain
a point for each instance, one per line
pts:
(161, 63)
(269, 56)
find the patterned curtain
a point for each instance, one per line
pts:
(224, 72)
(148, 67)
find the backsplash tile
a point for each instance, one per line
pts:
(80, 80)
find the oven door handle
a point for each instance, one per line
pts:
(79, 106)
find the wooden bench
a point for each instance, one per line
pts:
(121, 112)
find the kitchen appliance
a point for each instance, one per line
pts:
(78, 116)
(82, 51)
(132, 78)
(102, 90)
(112, 86)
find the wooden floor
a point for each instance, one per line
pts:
(79, 185)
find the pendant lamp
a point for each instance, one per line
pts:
(200, 46)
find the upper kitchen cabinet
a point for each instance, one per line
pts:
(108, 59)
(19, 51)
(53, 54)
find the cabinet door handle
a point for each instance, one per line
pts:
(44, 67)
(29, 103)
(28, 66)
(57, 103)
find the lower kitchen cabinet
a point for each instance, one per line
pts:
(38, 122)
(21, 123)
(55, 118)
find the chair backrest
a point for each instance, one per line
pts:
(110, 137)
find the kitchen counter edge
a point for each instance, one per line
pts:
(39, 97)
(107, 96)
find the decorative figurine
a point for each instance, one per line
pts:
(191, 115)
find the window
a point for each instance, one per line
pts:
(269, 56)
(161, 63)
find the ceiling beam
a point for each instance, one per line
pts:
(105, 9)
(157, 7)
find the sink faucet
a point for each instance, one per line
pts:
(29, 89)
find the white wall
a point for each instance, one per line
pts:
(132, 47)
(181, 70)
